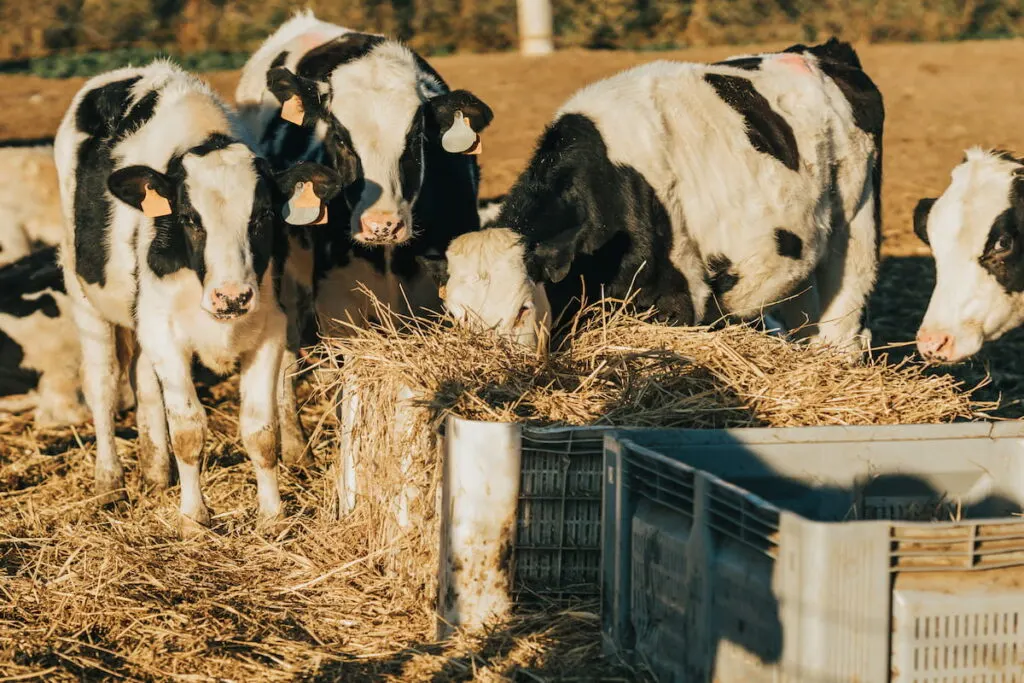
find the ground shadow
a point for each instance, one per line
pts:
(898, 304)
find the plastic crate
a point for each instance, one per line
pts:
(788, 554)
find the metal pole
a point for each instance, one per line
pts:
(535, 27)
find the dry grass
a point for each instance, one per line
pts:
(91, 593)
(88, 593)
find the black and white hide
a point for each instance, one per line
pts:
(171, 242)
(976, 233)
(742, 188)
(405, 145)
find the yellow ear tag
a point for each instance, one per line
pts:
(155, 205)
(293, 111)
(442, 292)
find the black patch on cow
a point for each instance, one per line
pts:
(1003, 255)
(720, 278)
(279, 60)
(1004, 154)
(410, 165)
(320, 62)
(23, 283)
(14, 379)
(263, 243)
(921, 213)
(584, 217)
(104, 115)
(833, 49)
(213, 143)
(767, 131)
(26, 142)
(745, 63)
(788, 244)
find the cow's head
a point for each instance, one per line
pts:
(214, 213)
(485, 281)
(369, 101)
(976, 233)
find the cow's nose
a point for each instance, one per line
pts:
(936, 345)
(382, 227)
(232, 300)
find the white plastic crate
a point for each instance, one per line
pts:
(780, 554)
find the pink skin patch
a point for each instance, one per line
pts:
(795, 62)
(310, 40)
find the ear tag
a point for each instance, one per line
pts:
(304, 207)
(442, 292)
(460, 138)
(154, 205)
(292, 110)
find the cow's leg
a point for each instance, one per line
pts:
(99, 385)
(845, 279)
(186, 419)
(293, 437)
(151, 418)
(258, 415)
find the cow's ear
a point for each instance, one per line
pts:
(436, 267)
(921, 213)
(299, 97)
(551, 259)
(148, 190)
(459, 117)
(309, 187)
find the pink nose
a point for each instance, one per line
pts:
(382, 227)
(232, 300)
(936, 345)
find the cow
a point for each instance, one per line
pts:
(405, 145)
(740, 188)
(30, 214)
(976, 233)
(171, 251)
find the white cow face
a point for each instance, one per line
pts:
(976, 232)
(484, 283)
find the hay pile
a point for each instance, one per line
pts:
(617, 368)
(88, 593)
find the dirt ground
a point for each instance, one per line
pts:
(940, 99)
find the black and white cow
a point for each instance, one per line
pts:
(707, 189)
(976, 233)
(404, 144)
(30, 214)
(171, 246)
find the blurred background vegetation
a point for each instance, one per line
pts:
(78, 37)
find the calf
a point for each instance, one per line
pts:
(29, 199)
(976, 233)
(171, 245)
(404, 144)
(705, 189)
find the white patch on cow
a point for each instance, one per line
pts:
(488, 213)
(488, 287)
(968, 304)
(29, 201)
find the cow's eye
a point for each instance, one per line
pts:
(1003, 244)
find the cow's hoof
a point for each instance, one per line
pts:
(109, 488)
(194, 524)
(158, 478)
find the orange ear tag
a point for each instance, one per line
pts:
(442, 292)
(292, 110)
(155, 205)
(477, 147)
(305, 208)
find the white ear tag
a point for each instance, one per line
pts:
(460, 138)
(304, 207)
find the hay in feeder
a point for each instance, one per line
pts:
(616, 368)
